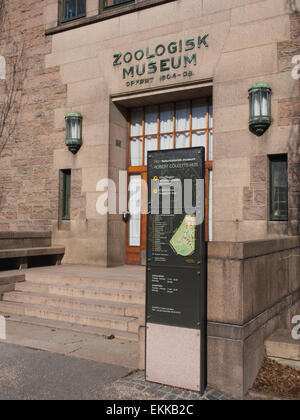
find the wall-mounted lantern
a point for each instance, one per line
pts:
(260, 108)
(73, 131)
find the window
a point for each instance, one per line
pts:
(170, 126)
(66, 194)
(278, 188)
(173, 126)
(73, 9)
(112, 3)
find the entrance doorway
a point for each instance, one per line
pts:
(160, 127)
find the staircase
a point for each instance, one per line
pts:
(8, 281)
(107, 302)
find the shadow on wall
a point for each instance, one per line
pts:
(292, 6)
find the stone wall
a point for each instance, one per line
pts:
(253, 289)
(235, 145)
(28, 179)
(289, 115)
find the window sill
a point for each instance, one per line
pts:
(64, 225)
(104, 15)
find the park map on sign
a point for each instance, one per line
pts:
(183, 241)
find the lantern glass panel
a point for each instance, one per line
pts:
(265, 111)
(73, 128)
(256, 104)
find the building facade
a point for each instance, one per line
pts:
(159, 74)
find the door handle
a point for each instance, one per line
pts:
(125, 216)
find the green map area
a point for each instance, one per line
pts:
(183, 241)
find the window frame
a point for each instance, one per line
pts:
(114, 6)
(66, 194)
(209, 129)
(283, 158)
(62, 12)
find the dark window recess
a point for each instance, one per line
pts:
(278, 187)
(66, 194)
(112, 3)
(73, 9)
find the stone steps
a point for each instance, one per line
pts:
(6, 278)
(113, 295)
(5, 288)
(81, 304)
(102, 301)
(110, 281)
(98, 301)
(282, 347)
(113, 322)
(61, 325)
(7, 282)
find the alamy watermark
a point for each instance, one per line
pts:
(2, 328)
(296, 69)
(296, 329)
(169, 195)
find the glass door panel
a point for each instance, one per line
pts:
(134, 207)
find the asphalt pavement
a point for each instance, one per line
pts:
(31, 374)
(28, 374)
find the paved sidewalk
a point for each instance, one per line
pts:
(27, 374)
(76, 344)
(134, 387)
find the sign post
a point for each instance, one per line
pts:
(176, 269)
